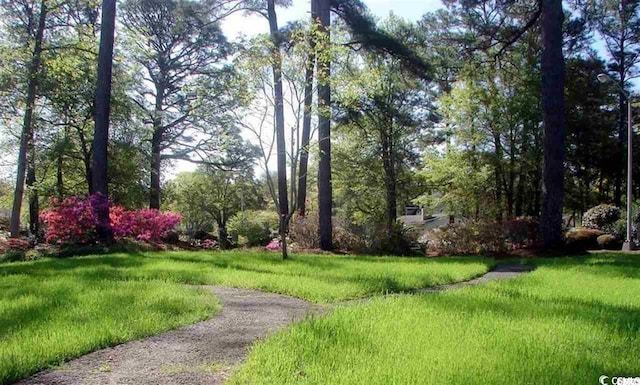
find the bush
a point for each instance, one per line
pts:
(171, 237)
(608, 242)
(202, 235)
(582, 238)
(303, 231)
(521, 232)
(394, 242)
(347, 240)
(467, 238)
(256, 226)
(600, 216)
(69, 221)
(72, 221)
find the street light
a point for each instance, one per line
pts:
(605, 78)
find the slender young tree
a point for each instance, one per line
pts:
(325, 191)
(306, 120)
(101, 118)
(283, 202)
(27, 126)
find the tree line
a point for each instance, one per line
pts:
(489, 109)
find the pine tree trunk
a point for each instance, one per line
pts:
(27, 124)
(325, 193)
(154, 191)
(553, 116)
(283, 203)
(32, 188)
(306, 120)
(100, 181)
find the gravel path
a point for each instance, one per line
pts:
(203, 353)
(206, 352)
(499, 272)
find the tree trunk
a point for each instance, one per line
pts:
(553, 116)
(390, 175)
(154, 191)
(32, 188)
(325, 194)
(306, 120)
(283, 203)
(156, 149)
(27, 124)
(498, 173)
(60, 175)
(100, 178)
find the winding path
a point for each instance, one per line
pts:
(206, 352)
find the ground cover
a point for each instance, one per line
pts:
(569, 322)
(55, 309)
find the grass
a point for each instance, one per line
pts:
(569, 322)
(55, 309)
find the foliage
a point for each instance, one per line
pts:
(461, 186)
(69, 221)
(513, 326)
(72, 221)
(394, 242)
(148, 225)
(209, 197)
(474, 237)
(600, 216)
(384, 120)
(274, 245)
(256, 226)
(304, 233)
(608, 242)
(521, 232)
(582, 238)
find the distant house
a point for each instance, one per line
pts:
(414, 216)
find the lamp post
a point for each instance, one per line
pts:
(605, 78)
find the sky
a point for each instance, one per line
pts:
(408, 9)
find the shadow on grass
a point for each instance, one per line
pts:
(529, 299)
(55, 267)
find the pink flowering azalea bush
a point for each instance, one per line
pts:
(69, 221)
(73, 221)
(274, 245)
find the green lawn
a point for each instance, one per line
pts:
(55, 309)
(568, 322)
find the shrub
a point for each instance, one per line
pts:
(147, 225)
(69, 221)
(202, 235)
(608, 242)
(171, 237)
(394, 242)
(347, 240)
(599, 216)
(72, 221)
(304, 232)
(274, 246)
(582, 238)
(467, 238)
(521, 232)
(256, 226)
